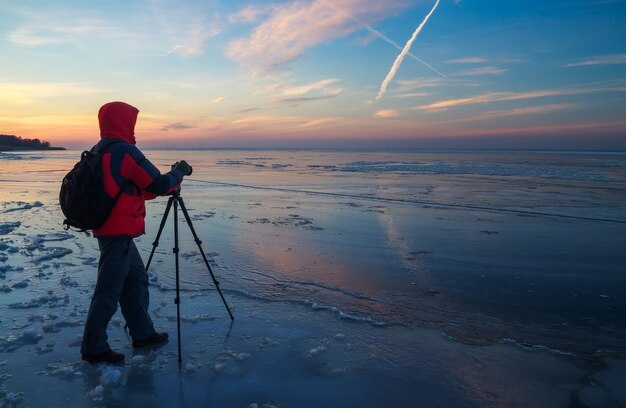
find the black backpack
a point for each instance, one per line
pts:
(83, 200)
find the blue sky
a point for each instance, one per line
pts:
(524, 74)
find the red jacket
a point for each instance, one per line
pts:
(124, 166)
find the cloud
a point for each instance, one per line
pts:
(467, 60)
(295, 27)
(409, 95)
(488, 70)
(318, 123)
(191, 42)
(304, 89)
(616, 59)
(28, 92)
(303, 99)
(31, 38)
(409, 85)
(497, 114)
(264, 123)
(512, 96)
(270, 88)
(247, 110)
(219, 99)
(178, 126)
(162, 28)
(183, 27)
(387, 113)
(316, 91)
(593, 127)
(289, 125)
(251, 14)
(38, 122)
(45, 28)
(279, 89)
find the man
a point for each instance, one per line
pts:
(122, 276)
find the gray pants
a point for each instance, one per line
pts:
(122, 278)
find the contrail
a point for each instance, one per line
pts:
(395, 44)
(405, 50)
(381, 36)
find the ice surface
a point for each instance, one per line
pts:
(415, 167)
(356, 279)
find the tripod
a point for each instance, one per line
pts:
(176, 200)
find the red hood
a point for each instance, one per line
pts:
(117, 120)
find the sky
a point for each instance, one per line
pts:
(319, 73)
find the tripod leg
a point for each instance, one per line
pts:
(155, 244)
(206, 262)
(176, 198)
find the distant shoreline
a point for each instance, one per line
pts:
(16, 143)
(26, 149)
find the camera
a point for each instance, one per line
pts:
(187, 167)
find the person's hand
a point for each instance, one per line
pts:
(183, 167)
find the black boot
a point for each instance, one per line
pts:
(106, 357)
(156, 338)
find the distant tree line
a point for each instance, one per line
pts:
(10, 142)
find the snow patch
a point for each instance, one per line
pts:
(54, 253)
(10, 399)
(191, 319)
(76, 342)
(57, 326)
(21, 284)
(267, 342)
(96, 393)
(21, 206)
(110, 376)
(316, 350)
(68, 282)
(51, 299)
(8, 268)
(12, 342)
(138, 359)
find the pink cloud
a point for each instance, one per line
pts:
(467, 60)
(387, 113)
(616, 59)
(251, 14)
(512, 96)
(497, 114)
(487, 70)
(296, 27)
